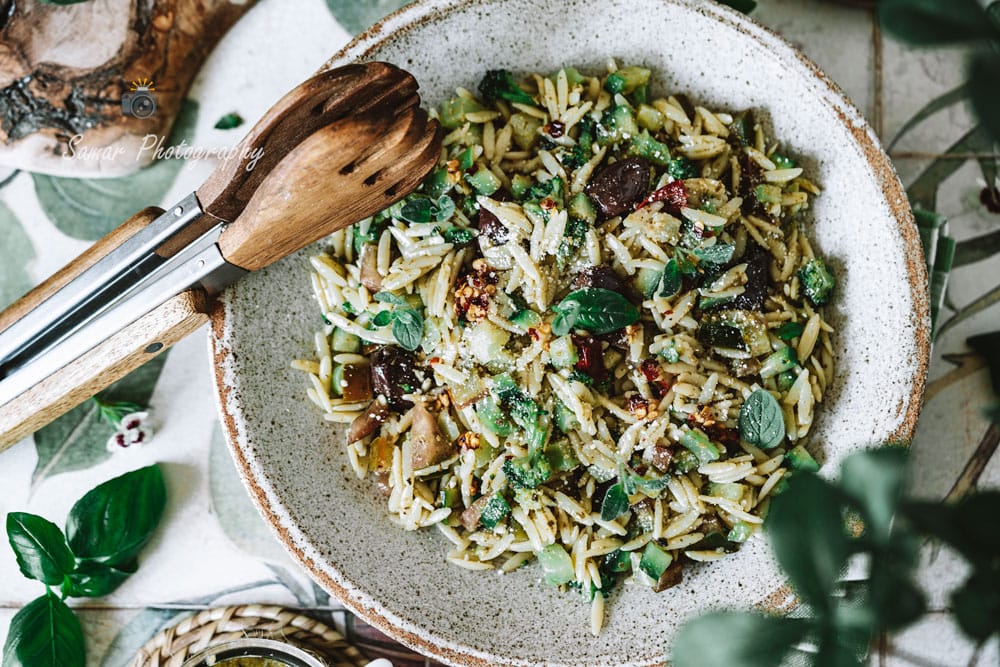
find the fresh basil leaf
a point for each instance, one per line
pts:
(874, 479)
(750, 640)
(382, 318)
(790, 330)
(762, 422)
(458, 235)
(417, 210)
(806, 529)
(565, 319)
(595, 309)
(45, 633)
(389, 297)
(671, 279)
(229, 121)
(91, 579)
(111, 523)
(443, 209)
(408, 328)
(718, 254)
(935, 22)
(615, 502)
(40, 547)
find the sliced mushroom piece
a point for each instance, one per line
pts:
(368, 421)
(370, 277)
(670, 577)
(429, 447)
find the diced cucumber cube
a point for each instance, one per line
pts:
(495, 511)
(343, 341)
(800, 459)
(655, 561)
(581, 208)
(556, 564)
(740, 532)
(778, 362)
(563, 352)
(526, 319)
(699, 445)
(564, 418)
(484, 181)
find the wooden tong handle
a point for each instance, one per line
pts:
(109, 361)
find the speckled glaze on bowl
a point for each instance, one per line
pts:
(294, 464)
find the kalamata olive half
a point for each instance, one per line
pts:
(393, 375)
(758, 261)
(601, 275)
(491, 227)
(618, 187)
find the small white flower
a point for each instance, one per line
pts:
(131, 432)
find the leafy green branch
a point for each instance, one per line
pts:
(815, 527)
(105, 531)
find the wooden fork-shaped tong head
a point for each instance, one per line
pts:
(340, 147)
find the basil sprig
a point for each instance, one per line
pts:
(595, 309)
(105, 531)
(407, 323)
(420, 209)
(761, 421)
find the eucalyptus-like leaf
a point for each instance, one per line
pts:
(939, 103)
(40, 547)
(874, 479)
(984, 82)
(408, 328)
(736, 639)
(806, 530)
(112, 523)
(935, 22)
(895, 597)
(977, 606)
(45, 633)
(968, 526)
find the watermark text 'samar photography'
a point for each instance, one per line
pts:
(140, 103)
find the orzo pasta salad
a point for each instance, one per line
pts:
(594, 337)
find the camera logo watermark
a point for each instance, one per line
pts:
(140, 103)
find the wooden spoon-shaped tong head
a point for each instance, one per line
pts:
(342, 173)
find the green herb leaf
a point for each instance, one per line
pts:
(416, 210)
(91, 579)
(615, 502)
(382, 318)
(984, 73)
(761, 421)
(458, 235)
(40, 547)
(789, 330)
(595, 309)
(750, 640)
(112, 523)
(408, 328)
(806, 530)
(389, 297)
(16, 253)
(977, 607)
(45, 633)
(229, 121)
(718, 254)
(443, 209)
(671, 279)
(931, 22)
(874, 479)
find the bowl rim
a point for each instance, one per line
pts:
(416, 14)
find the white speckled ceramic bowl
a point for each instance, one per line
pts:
(294, 463)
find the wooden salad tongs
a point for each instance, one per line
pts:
(338, 148)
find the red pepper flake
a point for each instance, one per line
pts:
(659, 382)
(548, 203)
(674, 195)
(555, 129)
(434, 360)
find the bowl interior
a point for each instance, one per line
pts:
(294, 463)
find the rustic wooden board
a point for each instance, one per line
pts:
(64, 69)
